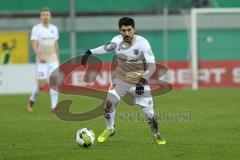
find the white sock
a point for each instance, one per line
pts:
(151, 119)
(110, 120)
(34, 94)
(54, 98)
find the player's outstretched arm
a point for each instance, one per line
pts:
(99, 50)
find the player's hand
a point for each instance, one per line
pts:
(140, 86)
(85, 57)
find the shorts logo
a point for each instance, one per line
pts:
(136, 51)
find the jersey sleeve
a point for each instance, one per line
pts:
(147, 52)
(150, 60)
(34, 34)
(57, 34)
(108, 47)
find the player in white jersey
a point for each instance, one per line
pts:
(135, 65)
(44, 39)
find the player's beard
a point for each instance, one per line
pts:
(127, 39)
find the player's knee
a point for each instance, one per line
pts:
(111, 103)
(148, 111)
(149, 114)
(109, 108)
(53, 80)
(42, 83)
(152, 121)
(151, 117)
(108, 104)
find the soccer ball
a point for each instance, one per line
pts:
(85, 137)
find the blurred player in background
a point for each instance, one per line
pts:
(135, 65)
(44, 39)
(6, 54)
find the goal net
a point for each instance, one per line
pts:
(215, 47)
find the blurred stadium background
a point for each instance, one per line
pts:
(167, 24)
(198, 40)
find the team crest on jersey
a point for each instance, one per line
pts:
(136, 51)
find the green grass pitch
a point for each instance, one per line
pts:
(212, 131)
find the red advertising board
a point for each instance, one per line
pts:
(211, 74)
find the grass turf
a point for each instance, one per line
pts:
(212, 131)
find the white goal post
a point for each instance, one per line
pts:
(195, 12)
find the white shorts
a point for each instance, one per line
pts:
(119, 88)
(44, 70)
